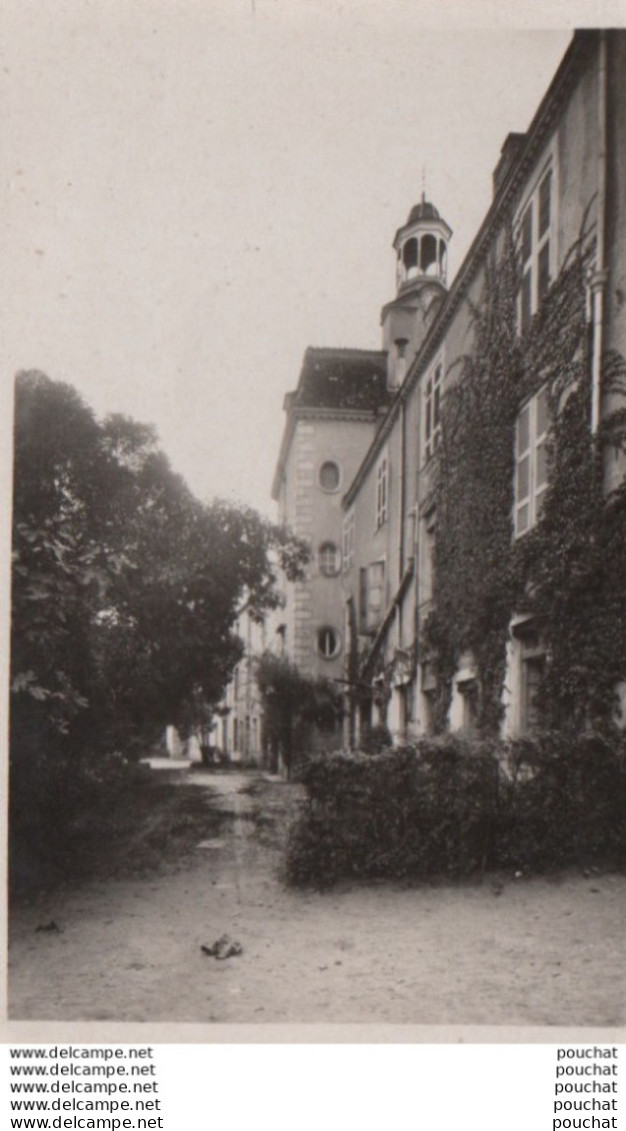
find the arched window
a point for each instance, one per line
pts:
(329, 559)
(409, 258)
(429, 264)
(328, 642)
(330, 475)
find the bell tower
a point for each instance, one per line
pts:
(421, 247)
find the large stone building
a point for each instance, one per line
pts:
(372, 458)
(331, 419)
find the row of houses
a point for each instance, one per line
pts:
(438, 481)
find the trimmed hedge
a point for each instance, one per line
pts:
(450, 807)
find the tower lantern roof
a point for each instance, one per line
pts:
(421, 246)
(423, 215)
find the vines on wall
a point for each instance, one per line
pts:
(568, 571)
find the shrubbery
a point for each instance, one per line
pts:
(450, 807)
(55, 800)
(293, 703)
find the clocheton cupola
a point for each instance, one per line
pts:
(421, 247)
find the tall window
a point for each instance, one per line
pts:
(348, 540)
(372, 596)
(536, 249)
(401, 359)
(531, 462)
(469, 700)
(382, 491)
(532, 671)
(375, 593)
(429, 695)
(328, 642)
(428, 526)
(330, 475)
(432, 411)
(531, 651)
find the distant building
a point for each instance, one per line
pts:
(239, 731)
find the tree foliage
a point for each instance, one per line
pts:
(292, 704)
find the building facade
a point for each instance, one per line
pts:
(239, 731)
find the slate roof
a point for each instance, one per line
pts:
(423, 211)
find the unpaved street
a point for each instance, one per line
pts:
(538, 952)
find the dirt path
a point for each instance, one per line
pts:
(543, 952)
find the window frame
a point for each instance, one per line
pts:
(338, 642)
(370, 617)
(375, 613)
(532, 660)
(427, 550)
(330, 463)
(347, 540)
(324, 549)
(532, 499)
(382, 489)
(469, 692)
(432, 391)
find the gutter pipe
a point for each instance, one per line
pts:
(599, 277)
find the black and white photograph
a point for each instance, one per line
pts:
(314, 344)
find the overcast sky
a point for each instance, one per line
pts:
(194, 191)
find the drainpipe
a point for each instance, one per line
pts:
(417, 579)
(401, 490)
(599, 276)
(402, 510)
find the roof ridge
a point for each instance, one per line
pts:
(345, 349)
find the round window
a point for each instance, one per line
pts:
(329, 475)
(328, 557)
(328, 642)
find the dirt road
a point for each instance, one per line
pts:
(539, 952)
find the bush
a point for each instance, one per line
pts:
(376, 739)
(451, 807)
(51, 799)
(563, 803)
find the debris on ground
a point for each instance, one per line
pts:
(225, 947)
(51, 926)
